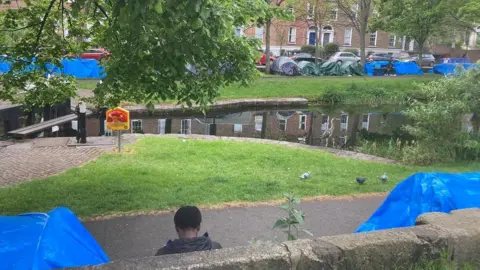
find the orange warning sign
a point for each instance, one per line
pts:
(118, 119)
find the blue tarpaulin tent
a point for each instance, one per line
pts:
(56, 239)
(446, 69)
(401, 68)
(423, 193)
(79, 68)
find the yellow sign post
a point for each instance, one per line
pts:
(118, 119)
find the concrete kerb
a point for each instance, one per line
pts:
(458, 232)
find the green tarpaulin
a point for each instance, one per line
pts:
(352, 69)
(309, 68)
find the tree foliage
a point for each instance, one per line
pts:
(150, 41)
(437, 119)
(417, 19)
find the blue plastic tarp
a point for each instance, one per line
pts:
(456, 60)
(447, 69)
(79, 68)
(423, 193)
(56, 239)
(401, 68)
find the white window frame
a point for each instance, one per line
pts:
(310, 12)
(302, 120)
(162, 125)
(135, 121)
(284, 123)
(292, 35)
(325, 124)
(394, 41)
(240, 30)
(349, 43)
(355, 9)
(258, 122)
(344, 126)
(106, 132)
(182, 128)
(370, 39)
(237, 128)
(259, 31)
(335, 9)
(366, 125)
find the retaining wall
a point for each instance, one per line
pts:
(458, 232)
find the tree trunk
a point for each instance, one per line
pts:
(352, 141)
(264, 125)
(363, 32)
(420, 54)
(267, 46)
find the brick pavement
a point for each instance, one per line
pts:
(39, 158)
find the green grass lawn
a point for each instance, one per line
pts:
(164, 173)
(350, 90)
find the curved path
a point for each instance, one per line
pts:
(140, 236)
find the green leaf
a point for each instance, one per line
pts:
(197, 23)
(291, 237)
(159, 6)
(299, 217)
(280, 224)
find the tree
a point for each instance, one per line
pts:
(274, 11)
(282, 34)
(315, 11)
(358, 13)
(150, 41)
(417, 19)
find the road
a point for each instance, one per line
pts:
(140, 236)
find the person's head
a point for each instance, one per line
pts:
(187, 221)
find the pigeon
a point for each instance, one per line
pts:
(361, 180)
(305, 175)
(384, 177)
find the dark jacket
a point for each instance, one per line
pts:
(201, 243)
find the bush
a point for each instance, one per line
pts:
(354, 51)
(308, 49)
(332, 48)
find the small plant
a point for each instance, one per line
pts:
(332, 48)
(308, 49)
(294, 220)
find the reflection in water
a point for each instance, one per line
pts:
(314, 126)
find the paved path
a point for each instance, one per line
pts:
(140, 236)
(39, 158)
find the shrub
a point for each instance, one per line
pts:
(308, 49)
(331, 48)
(354, 51)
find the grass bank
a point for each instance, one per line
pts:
(164, 173)
(343, 90)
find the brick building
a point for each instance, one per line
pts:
(292, 35)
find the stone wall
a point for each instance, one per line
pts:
(458, 232)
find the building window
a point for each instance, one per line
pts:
(186, 126)
(325, 119)
(258, 122)
(283, 124)
(392, 40)
(238, 31)
(365, 121)
(237, 128)
(373, 39)
(106, 131)
(309, 11)
(259, 33)
(161, 126)
(355, 10)
(292, 35)
(302, 123)
(334, 14)
(74, 124)
(136, 126)
(347, 38)
(344, 121)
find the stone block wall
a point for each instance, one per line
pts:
(458, 232)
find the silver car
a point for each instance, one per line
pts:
(427, 60)
(341, 57)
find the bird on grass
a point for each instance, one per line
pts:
(361, 180)
(384, 177)
(305, 175)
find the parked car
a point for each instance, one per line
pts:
(381, 57)
(303, 57)
(427, 60)
(263, 60)
(97, 54)
(341, 57)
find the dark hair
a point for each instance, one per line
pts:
(188, 217)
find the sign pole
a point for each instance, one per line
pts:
(119, 141)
